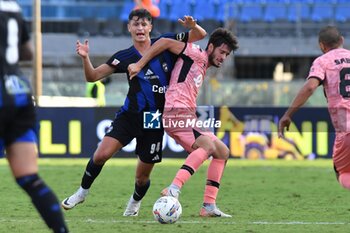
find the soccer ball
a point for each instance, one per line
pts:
(167, 209)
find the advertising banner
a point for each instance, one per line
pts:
(248, 132)
(252, 133)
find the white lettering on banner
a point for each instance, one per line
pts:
(130, 147)
(102, 127)
(173, 146)
(167, 142)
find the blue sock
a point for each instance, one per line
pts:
(91, 172)
(44, 201)
(140, 191)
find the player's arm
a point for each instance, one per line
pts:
(159, 46)
(197, 32)
(303, 95)
(91, 74)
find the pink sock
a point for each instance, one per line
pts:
(215, 171)
(344, 180)
(192, 163)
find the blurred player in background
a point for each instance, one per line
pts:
(96, 90)
(149, 5)
(332, 70)
(17, 116)
(146, 93)
(180, 105)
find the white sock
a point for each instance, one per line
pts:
(133, 200)
(82, 191)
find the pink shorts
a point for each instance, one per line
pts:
(182, 126)
(341, 152)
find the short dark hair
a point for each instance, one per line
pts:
(140, 14)
(330, 37)
(223, 36)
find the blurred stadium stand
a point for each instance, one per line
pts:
(270, 32)
(252, 17)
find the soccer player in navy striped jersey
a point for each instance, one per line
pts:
(146, 94)
(17, 116)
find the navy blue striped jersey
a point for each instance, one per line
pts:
(14, 88)
(147, 89)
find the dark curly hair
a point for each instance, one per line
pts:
(223, 36)
(140, 14)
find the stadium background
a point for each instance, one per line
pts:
(278, 42)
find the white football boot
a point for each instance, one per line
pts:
(77, 198)
(169, 191)
(133, 207)
(213, 211)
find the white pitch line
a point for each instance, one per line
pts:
(4, 220)
(299, 223)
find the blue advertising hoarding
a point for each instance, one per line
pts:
(248, 132)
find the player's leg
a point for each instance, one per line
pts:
(149, 150)
(105, 151)
(142, 183)
(203, 146)
(344, 180)
(119, 134)
(214, 174)
(341, 159)
(22, 157)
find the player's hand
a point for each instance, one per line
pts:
(82, 49)
(133, 70)
(188, 22)
(283, 123)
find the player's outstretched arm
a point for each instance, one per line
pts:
(303, 95)
(159, 46)
(197, 32)
(91, 74)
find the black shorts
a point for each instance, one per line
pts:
(149, 142)
(16, 121)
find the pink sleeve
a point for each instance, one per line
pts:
(317, 70)
(193, 51)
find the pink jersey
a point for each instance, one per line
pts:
(180, 98)
(187, 78)
(333, 70)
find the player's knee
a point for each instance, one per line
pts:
(209, 147)
(225, 153)
(205, 143)
(100, 157)
(222, 151)
(344, 180)
(345, 185)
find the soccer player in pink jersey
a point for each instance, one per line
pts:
(179, 116)
(332, 70)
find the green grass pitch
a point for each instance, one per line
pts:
(263, 196)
